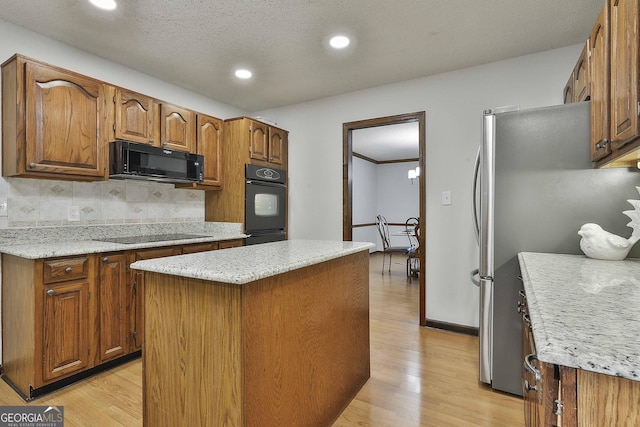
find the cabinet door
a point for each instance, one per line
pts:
(177, 128)
(136, 304)
(528, 378)
(65, 339)
(624, 72)
(567, 93)
(209, 143)
(258, 140)
(581, 76)
(235, 243)
(599, 45)
(134, 117)
(64, 123)
(199, 247)
(277, 145)
(112, 303)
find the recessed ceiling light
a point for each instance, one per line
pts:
(339, 42)
(104, 4)
(243, 73)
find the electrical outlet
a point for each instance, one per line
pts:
(3, 206)
(73, 213)
(446, 198)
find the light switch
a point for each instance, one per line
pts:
(446, 198)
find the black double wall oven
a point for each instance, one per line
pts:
(265, 204)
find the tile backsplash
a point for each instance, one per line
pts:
(46, 203)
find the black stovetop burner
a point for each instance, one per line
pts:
(132, 240)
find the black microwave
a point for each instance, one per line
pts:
(131, 160)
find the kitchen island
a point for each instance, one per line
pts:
(585, 319)
(267, 335)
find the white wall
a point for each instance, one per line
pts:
(382, 189)
(365, 201)
(32, 203)
(453, 103)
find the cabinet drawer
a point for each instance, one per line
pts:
(58, 270)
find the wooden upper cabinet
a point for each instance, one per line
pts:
(581, 80)
(133, 117)
(277, 145)
(567, 93)
(625, 40)
(267, 144)
(177, 128)
(53, 122)
(258, 140)
(599, 61)
(209, 143)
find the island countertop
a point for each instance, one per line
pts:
(250, 263)
(585, 313)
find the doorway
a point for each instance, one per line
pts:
(347, 184)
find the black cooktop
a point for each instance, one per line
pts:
(132, 240)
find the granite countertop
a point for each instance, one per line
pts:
(249, 263)
(47, 242)
(585, 313)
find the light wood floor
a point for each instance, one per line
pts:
(419, 376)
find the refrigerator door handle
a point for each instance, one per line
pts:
(475, 273)
(474, 194)
(487, 171)
(486, 331)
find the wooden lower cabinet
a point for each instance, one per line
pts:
(556, 395)
(66, 342)
(112, 306)
(48, 319)
(63, 316)
(225, 244)
(136, 303)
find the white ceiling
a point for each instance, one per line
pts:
(197, 43)
(390, 142)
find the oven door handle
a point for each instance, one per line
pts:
(266, 184)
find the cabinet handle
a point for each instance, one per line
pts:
(68, 270)
(105, 259)
(32, 165)
(528, 387)
(51, 292)
(526, 318)
(529, 367)
(522, 294)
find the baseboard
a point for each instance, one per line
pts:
(453, 327)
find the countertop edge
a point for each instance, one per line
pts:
(552, 349)
(247, 264)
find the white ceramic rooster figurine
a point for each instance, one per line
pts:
(600, 244)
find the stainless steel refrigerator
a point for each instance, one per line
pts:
(534, 187)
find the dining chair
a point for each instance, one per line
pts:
(383, 230)
(413, 257)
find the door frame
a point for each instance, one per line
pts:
(347, 184)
